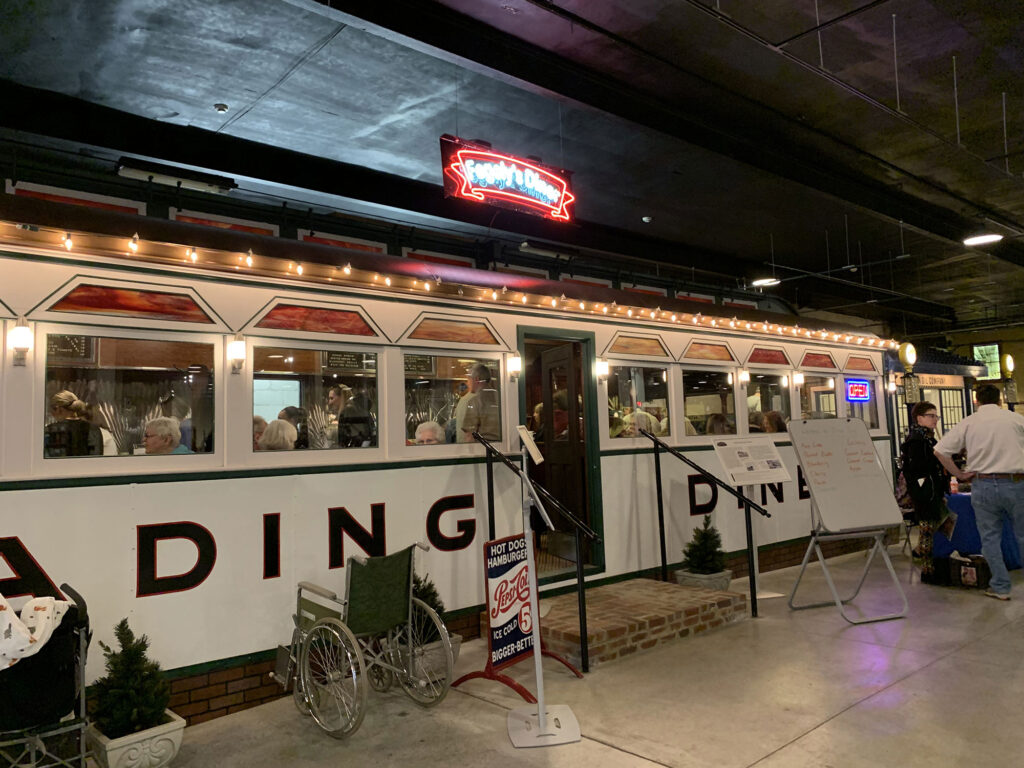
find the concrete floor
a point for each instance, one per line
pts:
(940, 687)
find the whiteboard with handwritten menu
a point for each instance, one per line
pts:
(846, 479)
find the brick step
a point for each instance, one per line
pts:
(633, 616)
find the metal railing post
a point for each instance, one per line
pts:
(582, 602)
(490, 497)
(751, 554)
(661, 511)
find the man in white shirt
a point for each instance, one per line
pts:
(994, 440)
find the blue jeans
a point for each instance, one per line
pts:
(995, 501)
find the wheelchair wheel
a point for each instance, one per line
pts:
(423, 651)
(298, 694)
(332, 675)
(381, 678)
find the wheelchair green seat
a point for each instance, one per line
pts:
(379, 591)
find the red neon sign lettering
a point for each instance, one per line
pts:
(485, 176)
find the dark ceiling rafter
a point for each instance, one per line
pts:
(466, 38)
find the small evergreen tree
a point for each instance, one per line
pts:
(423, 589)
(133, 695)
(703, 554)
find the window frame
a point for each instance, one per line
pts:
(790, 389)
(396, 404)
(740, 415)
(311, 457)
(78, 466)
(674, 398)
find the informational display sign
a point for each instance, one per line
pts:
(858, 390)
(65, 348)
(350, 361)
(474, 171)
(531, 447)
(508, 601)
(751, 460)
(419, 364)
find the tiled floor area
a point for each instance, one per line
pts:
(941, 687)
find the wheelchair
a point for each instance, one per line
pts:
(42, 698)
(377, 636)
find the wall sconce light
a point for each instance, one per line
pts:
(514, 366)
(19, 339)
(785, 381)
(236, 353)
(601, 369)
(891, 386)
(831, 383)
(1009, 385)
(798, 379)
(744, 377)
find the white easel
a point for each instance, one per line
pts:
(847, 484)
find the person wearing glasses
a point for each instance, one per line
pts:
(927, 481)
(163, 435)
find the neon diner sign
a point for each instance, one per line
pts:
(475, 172)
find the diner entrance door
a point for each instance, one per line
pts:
(555, 405)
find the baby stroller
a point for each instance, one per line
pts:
(42, 697)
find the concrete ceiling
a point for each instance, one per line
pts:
(734, 126)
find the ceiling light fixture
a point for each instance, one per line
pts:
(168, 175)
(765, 282)
(983, 239)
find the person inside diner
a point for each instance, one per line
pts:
(280, 435)
(163, 436)
(259, 426)
(479, 410)
(71, 433)
(429, 433)
(717, 424)
(297, 417)
(773, 422)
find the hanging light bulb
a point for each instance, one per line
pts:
(426, 286)
(554, 302)
(248, 259)
(523, 299)
(133, 244)
(68, 242)
(297, 269)
(347, 269)
(387, 281)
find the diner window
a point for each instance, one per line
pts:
(310, 399)
(709, 404)
(637, 399)
(767, 402)
(447, 399)
(108, 396)
(818, 397)
(857, 406)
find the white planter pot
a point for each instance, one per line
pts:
(152, 748)
(719, 581)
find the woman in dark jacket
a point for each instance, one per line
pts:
(927, 481)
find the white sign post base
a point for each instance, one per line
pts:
(544, 725)
(560, 726)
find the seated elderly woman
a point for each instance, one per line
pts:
(163, 435)
(280, 435)
(429, 433)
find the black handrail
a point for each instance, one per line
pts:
(659, 446)
(580, 528)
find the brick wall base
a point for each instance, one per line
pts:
(203, 697)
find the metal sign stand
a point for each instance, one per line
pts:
(818, 535)
(548, 724)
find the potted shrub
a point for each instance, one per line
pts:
(704, 560)
(423, 589)
(129, 709)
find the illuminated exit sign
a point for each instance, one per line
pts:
(476, 172)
